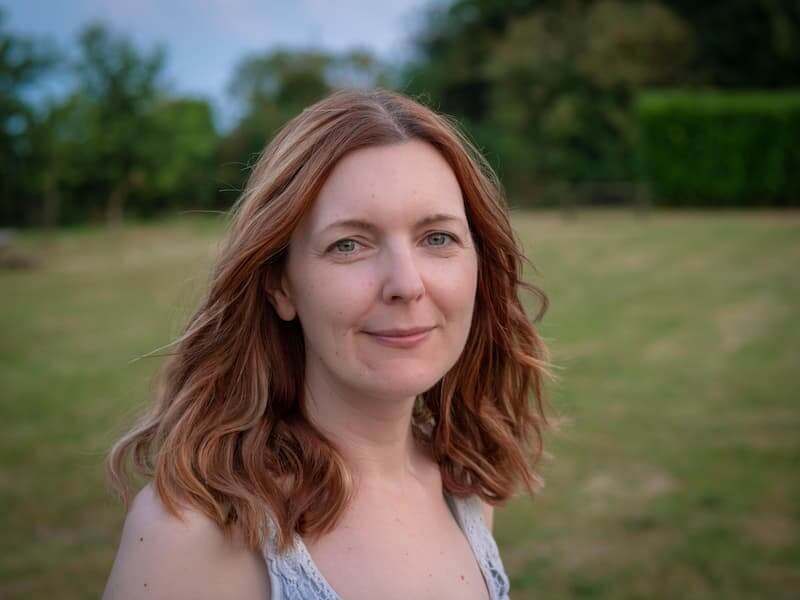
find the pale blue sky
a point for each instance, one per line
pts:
(205, 38)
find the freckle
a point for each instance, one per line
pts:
(145, 585)
(462, 578)
(141, 539)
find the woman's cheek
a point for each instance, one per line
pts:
(459, 281)
(346, 291)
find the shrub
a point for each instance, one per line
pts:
(720, 148)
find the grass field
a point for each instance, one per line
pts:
(676, 474)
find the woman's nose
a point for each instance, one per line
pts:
(402, 277)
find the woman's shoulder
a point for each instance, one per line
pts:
(181, 556)
(149, 514)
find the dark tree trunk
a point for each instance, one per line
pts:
(115, 209)
(51, 211)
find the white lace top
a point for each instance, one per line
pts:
(294, 576)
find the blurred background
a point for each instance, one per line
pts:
(649, 151)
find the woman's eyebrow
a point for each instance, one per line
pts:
(371, 227)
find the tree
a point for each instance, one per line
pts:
(452, 45)
(184, 152)
(23, 62)
(564, 79)
(118, 88)
(745, 43)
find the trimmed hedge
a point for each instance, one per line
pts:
(720, 148)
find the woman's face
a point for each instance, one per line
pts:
(399, 269)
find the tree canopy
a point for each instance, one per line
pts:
(546, 88)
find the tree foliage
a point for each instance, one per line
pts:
(564, 79)
(23, 61)
(546, 88)
(117, 142)
(744, 43)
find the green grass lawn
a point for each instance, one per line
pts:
(675, 474)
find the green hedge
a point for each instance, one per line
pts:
(720, 148)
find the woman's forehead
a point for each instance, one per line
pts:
(384, 185)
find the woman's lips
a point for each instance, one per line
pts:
(398, 341)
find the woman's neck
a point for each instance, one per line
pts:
(375, 439)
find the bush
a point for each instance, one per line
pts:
(720, 148)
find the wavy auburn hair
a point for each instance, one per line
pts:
(228, 433)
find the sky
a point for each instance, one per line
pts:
(206, 38)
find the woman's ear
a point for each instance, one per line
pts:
(281, 299)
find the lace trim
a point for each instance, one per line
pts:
(483, 546)
(294, 576)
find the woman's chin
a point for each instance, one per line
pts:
(402, 387)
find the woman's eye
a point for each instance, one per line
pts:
(336, 245)
(441, 235)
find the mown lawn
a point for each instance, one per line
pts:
(675, 473)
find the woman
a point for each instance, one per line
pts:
(350, 400)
